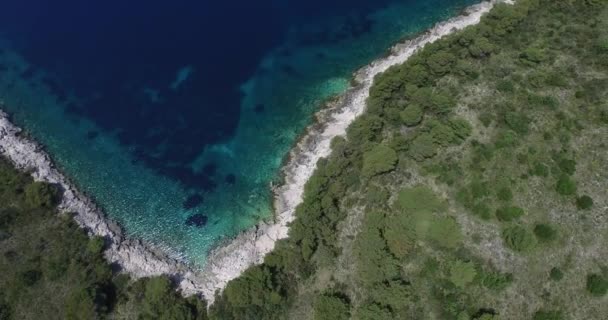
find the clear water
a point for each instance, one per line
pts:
(165, 112)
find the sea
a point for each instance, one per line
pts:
(176, 116)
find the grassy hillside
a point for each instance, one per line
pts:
(474, 186)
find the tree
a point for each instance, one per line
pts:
(462, 129)
(532, 56)
(548, 315)
(331, 307)
(378, 160)
(518, 239)
(462, 273)
(509, 213)
(423, 147)
(419, 199)
(39, 194)
(565, 186)
(584, 202)
(364, 129)
(81, 305)
(556, 274)
(545, 233)
(597, 285)
(504, 194)
(411, 115)
(445, 231)
(373, 311)
(441, 62)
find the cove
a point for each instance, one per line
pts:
(176, 118)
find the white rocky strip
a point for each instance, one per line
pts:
(232, 258)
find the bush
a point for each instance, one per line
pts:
(518, 239)
(461, 128)
(331, 308)
(419, 199)
(445, 232)
(412, 115)
(81, 305)
(532, 56)
(496, 280)
(556, 274)
(423, 147)
(462, 273)
(504, 194)
(506, 139)
(568, 166)
(39, 194)
(545, 233)
(509, 213)
(597, 285)
(584, 202)
(517, 122)
(565, 186)
(540, 170)
(548, 315)
(380, 159)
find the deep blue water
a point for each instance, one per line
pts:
(175, 115)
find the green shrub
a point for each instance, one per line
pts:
(39, 194)
(423, 147)
(482, 210)
(597, 285)
(441, 62)
(548, 315)
(379, 160)
(556, 274)
(506, 139)
(373, 311)
(411, 115)
(565, 186)
(517, 122)
(461, 128)
(567, 166)
(496, 280)
(518, 239)
(545, 233)
(504, 194)
(509, 213)
(462, 273)
(331, 307)
(81, 305)
(584, 202)
(532, 56)
(445, 231)
(442, 134)
(419, 199)
(540, 170)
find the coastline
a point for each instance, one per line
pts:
(234, 256)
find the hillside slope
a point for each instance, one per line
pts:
(474, 186)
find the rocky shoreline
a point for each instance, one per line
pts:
(230, 259)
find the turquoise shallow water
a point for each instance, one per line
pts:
(276, 102)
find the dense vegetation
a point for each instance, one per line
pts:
(50, 269)
(472, 188)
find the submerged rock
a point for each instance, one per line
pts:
(196, 220)
(259, 108)
(92, 135)
(192, 201)
(230, 179)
